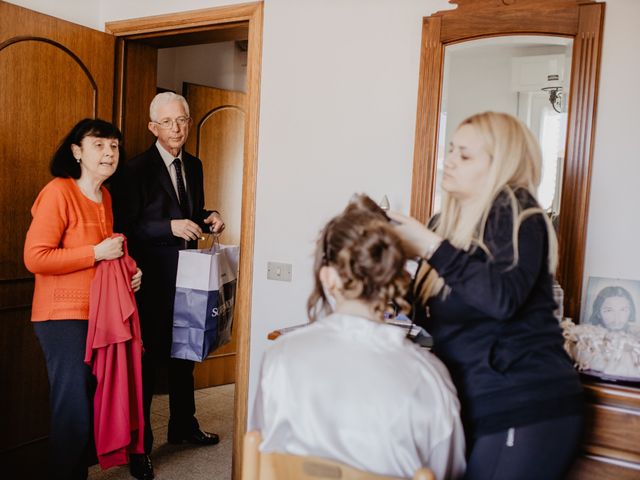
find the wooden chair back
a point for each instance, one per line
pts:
(257, 465)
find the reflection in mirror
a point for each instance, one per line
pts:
(526, 76)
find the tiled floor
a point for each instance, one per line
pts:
(214, 410)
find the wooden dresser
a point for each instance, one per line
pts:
(611, 448)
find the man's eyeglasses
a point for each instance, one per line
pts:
(167, 123)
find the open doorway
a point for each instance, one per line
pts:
(217, 54)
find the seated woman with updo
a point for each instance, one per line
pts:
(350, 387)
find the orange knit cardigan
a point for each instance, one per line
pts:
(59, 249)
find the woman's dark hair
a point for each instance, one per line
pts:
(608, 292)
(63, 164)
(368, 255)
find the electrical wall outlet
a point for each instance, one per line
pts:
(279, 271)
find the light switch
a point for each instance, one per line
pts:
(279, 271)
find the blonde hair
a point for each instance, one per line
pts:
(367, 254)
(516, 164)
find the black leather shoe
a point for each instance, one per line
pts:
(140, 466)
(197, 437)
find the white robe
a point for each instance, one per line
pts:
(357, 391)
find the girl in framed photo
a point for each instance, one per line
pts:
(613, 309)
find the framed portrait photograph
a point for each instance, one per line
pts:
(612, 303)
(606, 342)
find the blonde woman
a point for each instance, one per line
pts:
(349, 387)
(485, 283)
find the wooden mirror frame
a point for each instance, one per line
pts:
(474, 19)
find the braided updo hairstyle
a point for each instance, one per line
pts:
(367, 254)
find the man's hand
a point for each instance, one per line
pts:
(136, 280)
(185, 229)
(216, 225)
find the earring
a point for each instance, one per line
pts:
(78, 160)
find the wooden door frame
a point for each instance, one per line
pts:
(215, 18)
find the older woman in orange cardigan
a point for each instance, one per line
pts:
(69, 234)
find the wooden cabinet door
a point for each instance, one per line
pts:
(53, 73)
(611, 445)
(217, 137)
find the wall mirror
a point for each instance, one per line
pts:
(538, 60)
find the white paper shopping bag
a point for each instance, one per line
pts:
(204, 301)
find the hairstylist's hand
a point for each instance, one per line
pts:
(417, 238)
(136, 280)
(108, 249)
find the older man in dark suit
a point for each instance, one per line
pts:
(159, 205)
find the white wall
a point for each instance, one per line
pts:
(337, 117)
(220, 65)
(614, 223)
(84, 12)
(338, 100)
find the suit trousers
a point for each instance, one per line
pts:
(72, 387)
(182, 406)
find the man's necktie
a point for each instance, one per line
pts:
(182, 192)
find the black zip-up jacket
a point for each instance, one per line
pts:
(495, 330)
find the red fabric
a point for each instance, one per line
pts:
(114, 351)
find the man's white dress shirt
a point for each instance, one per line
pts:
(168, 159)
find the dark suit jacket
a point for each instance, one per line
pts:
(144, 203)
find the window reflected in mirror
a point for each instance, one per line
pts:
(526, 76)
